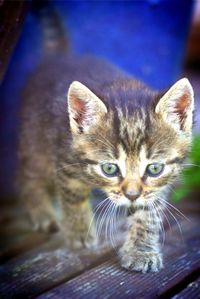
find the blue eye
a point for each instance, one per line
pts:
(110, 169)
(154, 169)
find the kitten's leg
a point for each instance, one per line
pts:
(77, 226)
(141, 251)
(36, 199)
(35, 179)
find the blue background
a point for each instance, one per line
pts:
(144, 38)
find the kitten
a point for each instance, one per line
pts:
(86, 124)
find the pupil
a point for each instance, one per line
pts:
(110, 169)
(155, 169)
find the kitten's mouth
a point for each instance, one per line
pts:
(121, 200)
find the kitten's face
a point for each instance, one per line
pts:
(136, 158)
(133, 173)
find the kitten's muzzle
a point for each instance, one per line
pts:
(132, 194)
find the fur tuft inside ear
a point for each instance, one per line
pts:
(177, 105)
(84, 107)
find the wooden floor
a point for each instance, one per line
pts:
(37, 266)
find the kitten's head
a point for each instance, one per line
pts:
(132, 143)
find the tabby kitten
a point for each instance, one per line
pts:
(86, 124)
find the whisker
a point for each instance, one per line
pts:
(106, 140)
(191, 164)
(103, 218)
(106, 143)
(168, 186)
(176, 220)
(94, 214)
(100, 217)
(115, 222)
(177, 210)
(111, 228)
(107, 220)
(160, 222)
(165, 215)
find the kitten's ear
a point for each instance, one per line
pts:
(84, 107)
(177, 105)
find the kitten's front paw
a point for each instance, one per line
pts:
(80, 240)
(141, 261)
(81, 243)
(91, 240)
(44, 222)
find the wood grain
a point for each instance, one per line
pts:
(192, 291)
(34, 264)
(110, 281)
(45, 267)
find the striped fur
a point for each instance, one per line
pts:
(109, 118)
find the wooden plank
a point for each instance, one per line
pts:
(46, 267)
(12, 15)
(21, 244)
(109, 280)
(49, 265)
(16, 234)
(192, 291)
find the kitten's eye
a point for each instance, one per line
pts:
(110, 169)
(154, 169)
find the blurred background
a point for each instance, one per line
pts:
(155, 41)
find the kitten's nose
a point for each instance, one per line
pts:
(132, 194)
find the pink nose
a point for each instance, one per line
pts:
(132, 194)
